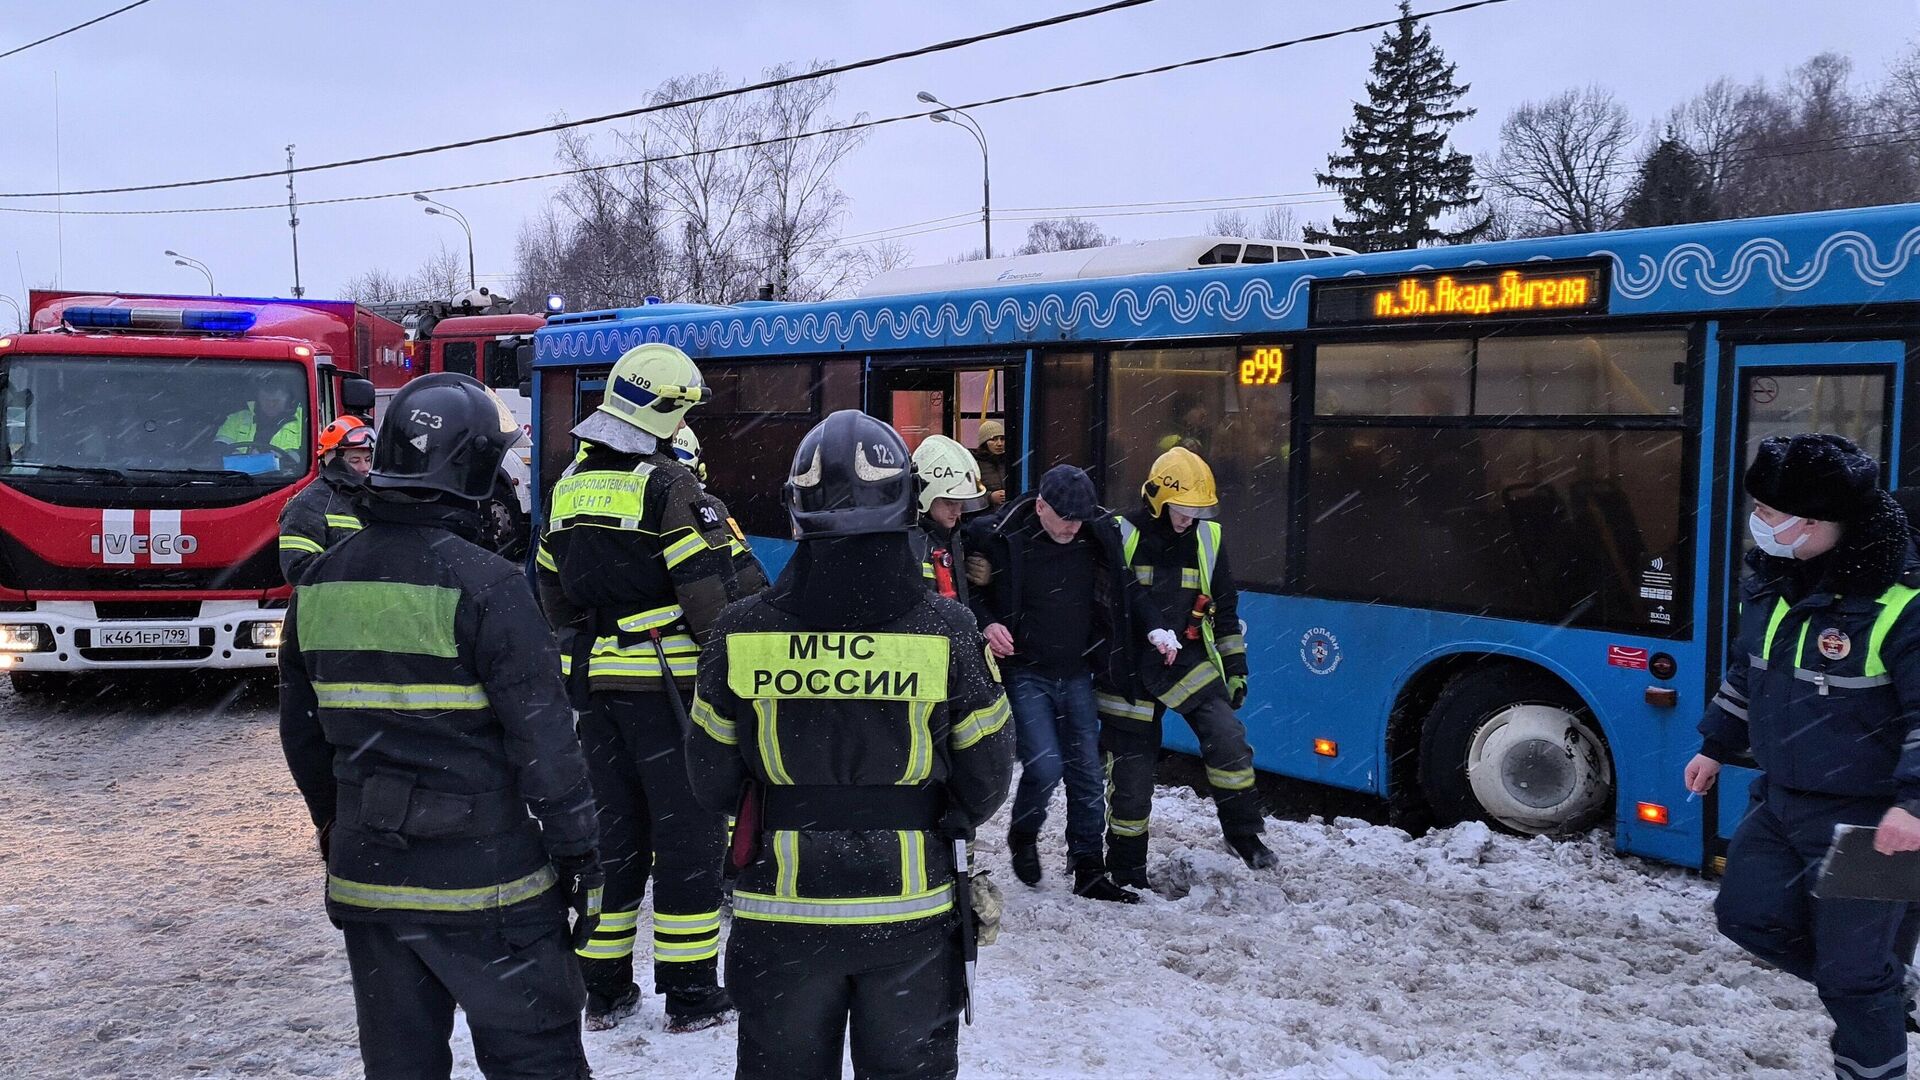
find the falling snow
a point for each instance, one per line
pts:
(160, 917)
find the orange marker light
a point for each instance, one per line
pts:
(1326, 748)
(302, 350)
(1652, 813)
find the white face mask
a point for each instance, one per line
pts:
(1764, 534)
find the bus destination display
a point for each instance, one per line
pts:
(1262, 365)
(1470, 293)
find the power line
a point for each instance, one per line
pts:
(754, 144)
(71, 29)
(548, 129)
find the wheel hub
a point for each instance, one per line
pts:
(1538, 769)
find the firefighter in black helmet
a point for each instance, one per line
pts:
(424, 720)
(861, 715)
(635, 565)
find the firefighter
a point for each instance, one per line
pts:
(949, 488)
(861, 714)
(746, 567)
(322, 515)
(686, 448)
(426, 726)
(1820, 689)
(635, 565)
(1175, 550)
(273, 420)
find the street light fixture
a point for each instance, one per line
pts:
(443, 210)
(193, 264)
(955, 116)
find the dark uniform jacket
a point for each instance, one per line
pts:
(1823, 684)
(942, 555)
(424, 719)
(900, 717)
(632, 545)
(319, 517)
(1120, 611)
(1176, 569)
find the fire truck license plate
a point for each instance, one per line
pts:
(145, 636)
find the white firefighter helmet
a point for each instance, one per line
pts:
(947, 470)
(652, 387)
(686, 449)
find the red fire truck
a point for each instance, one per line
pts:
(151, 442)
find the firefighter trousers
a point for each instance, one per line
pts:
(1130, 745)
(803, 990)
(650, 825)
(1848, 949)
(519, 987)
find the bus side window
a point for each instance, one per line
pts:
(458, 356)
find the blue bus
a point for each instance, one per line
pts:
(1483, 501)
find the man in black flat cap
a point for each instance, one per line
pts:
(1063, 605)
(1824, 689)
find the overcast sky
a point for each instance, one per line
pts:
(181, 89)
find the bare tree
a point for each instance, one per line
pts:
(1280, 223)
(1712, 125)
(374, 286)
(442, 276)
(1563, 165)
(799, 205)
(710, 193)
(1064, 234)
(1228, 223)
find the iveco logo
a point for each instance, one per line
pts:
(160, 543)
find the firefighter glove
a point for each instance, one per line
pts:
(979, 571)
(1237, 690)
(987, 903)
(584, 881)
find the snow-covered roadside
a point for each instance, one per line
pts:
(160, 917)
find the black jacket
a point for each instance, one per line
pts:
(1120, 609)
(1823, 684)
(316, 519)
(932, 544)
(863, 691)
(424, 720)
(633, 545)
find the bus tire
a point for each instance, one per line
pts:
(1512, 746)
(40, 683)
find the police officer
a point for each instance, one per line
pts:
(863, 714)
(950, 487)
(1175, 550)
(634, 567)
(426, 726)
(1823, 687)
(322, 514)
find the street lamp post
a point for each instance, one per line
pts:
(194, 264)
(972, 126)
(442, 209)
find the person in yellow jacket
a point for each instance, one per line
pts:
(272, 419)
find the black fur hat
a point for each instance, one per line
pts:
(1818, 476)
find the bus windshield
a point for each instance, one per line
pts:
(154, 420)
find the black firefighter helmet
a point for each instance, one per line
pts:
(851, 476)
(443, 432)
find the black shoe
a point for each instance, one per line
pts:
(1132, 877)
(698, 1010)
(1026, 856)
(1255, 853)
(604, 1015)
(1094, 884)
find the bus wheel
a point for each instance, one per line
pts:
(41, 683)
(1514, 747)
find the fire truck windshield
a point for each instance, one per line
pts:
(154, 420)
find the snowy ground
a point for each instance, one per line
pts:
(160, 917)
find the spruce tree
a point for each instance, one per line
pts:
(1398, 174)
(1673, 188)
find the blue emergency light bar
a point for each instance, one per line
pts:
(179, 320)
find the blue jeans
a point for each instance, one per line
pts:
(1057, 730)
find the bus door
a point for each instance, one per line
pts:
(953, 397)
(1848, 388)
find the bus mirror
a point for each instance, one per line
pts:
(523, 365)
(356, 396)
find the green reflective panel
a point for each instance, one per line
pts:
(376, 616)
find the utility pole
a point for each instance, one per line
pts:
(293, 223)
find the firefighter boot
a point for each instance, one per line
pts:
(697, 1010)
(1250, 849)
(1025, 847)
(1091, 881)
(605, 1015)
(1127, 860)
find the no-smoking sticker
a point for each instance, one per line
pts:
(1765, 390)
